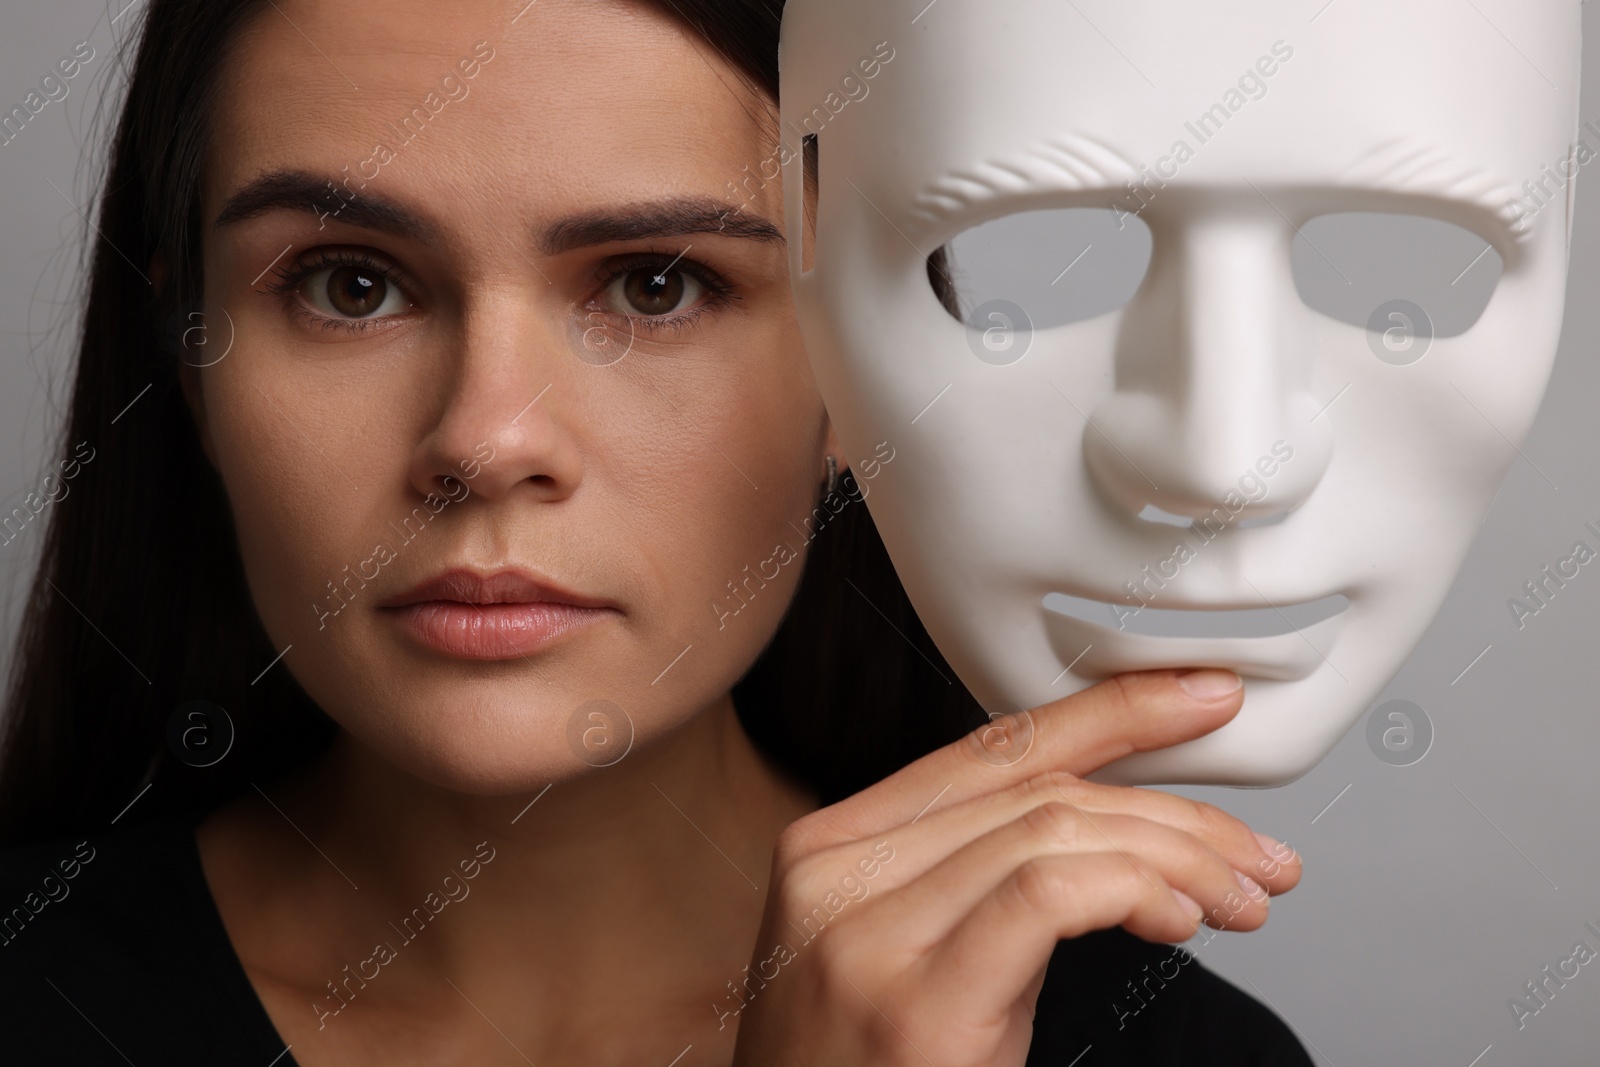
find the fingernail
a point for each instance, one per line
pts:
(1277, 850)
(1252, 888)
(1189, 905)
(1210, 684)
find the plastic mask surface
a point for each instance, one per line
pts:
(1210, 471)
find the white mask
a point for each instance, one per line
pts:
(1336, 462)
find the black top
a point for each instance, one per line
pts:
(112, 952)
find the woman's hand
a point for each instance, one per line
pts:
(911, 923)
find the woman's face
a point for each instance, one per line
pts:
(494, 305)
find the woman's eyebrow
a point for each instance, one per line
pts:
(672, 217)
(296, 190)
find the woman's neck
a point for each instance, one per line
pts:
(634, 888)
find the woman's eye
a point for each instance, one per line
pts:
(352, 293)
(653, 291)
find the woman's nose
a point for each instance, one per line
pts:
(502, 418)
(1212, 405)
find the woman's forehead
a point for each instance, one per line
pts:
(568, 103)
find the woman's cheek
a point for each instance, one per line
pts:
(296, 487)
(754, 541)
(698, 506)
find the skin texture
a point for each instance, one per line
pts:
(618, 904)
(631, 482)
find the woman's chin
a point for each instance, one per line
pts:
(503, 754)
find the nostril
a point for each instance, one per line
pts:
(1173, 463)
(1151, 513)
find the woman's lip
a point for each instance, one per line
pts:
(464, 585)
(493, 631)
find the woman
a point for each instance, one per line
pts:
(422, 670)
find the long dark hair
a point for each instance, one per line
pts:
(140, 603)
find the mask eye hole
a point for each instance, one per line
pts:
(1357, 266)
(1060, 265)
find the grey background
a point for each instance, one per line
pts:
(1432, 892)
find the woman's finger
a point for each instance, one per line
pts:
(1077, 734)
(929, 839)
(992, 955)
(926, 910)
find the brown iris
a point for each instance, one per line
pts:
(651, 291)
(355, 291)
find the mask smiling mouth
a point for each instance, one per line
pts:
(1214, 623)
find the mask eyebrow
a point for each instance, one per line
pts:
(1409, 166)
(296, 190)
(672, 217)
(1071, 162)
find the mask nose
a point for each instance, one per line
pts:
(1212, 407)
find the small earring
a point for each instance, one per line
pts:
(832, 481)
